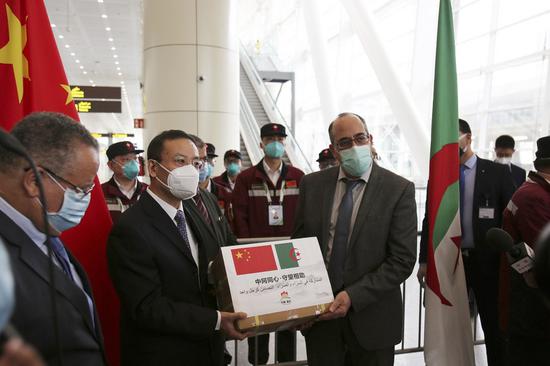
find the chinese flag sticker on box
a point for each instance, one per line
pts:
(279, 285)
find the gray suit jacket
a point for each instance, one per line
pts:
(381, 252)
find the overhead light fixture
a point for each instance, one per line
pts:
(67, 46)
(53, 25)
(91, 81)
(115, 56)
(113, 48)
(116, 62)
(61, 36)
(73, 54)
(122, 82)
(93, 85)
(99, 1)
(104, 16)
(108, 29)
(118, 68)
(77, 61)
(81, 67)
(110, 39)
(119, 74)
(84, 72)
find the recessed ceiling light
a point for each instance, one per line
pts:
(84, 72)
(110, 39)
(91, 81)
(73, 54)
(81, 67)
(61, 36)
(115, 56)
(99, 1)
(108, 29)
(104, 16)
(113, 48)
(53, 25)
(118, 68)
(116, 62)
(67, 46)
(119, 74)
(122, 82)
(77, 61)
(93, 84)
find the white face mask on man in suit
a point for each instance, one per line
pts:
(183, 182)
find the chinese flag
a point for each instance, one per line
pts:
(254, 259)
(32, 79)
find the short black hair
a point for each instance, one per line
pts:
(156, 146)
(199, 143)
(463, 126)
(49, 139)
(345, 114)
(505, 142)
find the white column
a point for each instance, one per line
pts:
(395, 90)
(317, 45)
(191, 70)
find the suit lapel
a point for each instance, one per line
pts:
(370, 196)
(34, 258)
(165, 225)
(328, 201)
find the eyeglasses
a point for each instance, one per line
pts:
(83, 192)
(347, 143)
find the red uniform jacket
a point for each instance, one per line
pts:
(224, 194)
(116, 201)
(250, 203)
(527, 213)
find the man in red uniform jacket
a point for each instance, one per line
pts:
(232, 160)
(526, 215)
(264, 203)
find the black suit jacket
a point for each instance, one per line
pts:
(493, 188)
(80, 336)
(518, 174)
(168, 311)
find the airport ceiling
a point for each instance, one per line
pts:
(100, 42)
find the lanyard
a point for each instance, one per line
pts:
(281, 195)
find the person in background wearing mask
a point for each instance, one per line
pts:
(67, 159)
(504, 149)
(525, 217)
(232, 161)
(326, 159)
(123, 189)
(485, 190)
(264, 202)
(364, 218)
(158, 254)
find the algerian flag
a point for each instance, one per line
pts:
(448, 334)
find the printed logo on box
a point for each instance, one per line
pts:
(285, 299)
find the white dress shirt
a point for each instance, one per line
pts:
(171, 211)
(128, 193)
(273, 175)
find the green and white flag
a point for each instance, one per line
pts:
(448, 334)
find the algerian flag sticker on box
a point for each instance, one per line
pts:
(277, 276)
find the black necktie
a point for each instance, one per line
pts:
(182, 228)
(340, 241)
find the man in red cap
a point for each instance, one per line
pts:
(326, 159)
(123, 189)
(232, 160)
(265, 199)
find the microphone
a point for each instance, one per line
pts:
(520, 256)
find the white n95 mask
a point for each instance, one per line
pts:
(183, 182)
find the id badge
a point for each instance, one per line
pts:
(275, 214)
(486, 213)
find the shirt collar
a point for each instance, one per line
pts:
(365, 177)
(23, 222)
(168, 208)
(471, 163)
(268, 170)
(122, 189)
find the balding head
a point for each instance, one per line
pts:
(345, 120)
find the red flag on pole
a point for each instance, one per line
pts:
(32, 79)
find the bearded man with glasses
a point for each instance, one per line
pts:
(67, 159)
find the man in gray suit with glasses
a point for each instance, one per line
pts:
(364, 217)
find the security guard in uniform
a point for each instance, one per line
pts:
(123, 189)
(264, 203)
(326, 159)
(232, 160)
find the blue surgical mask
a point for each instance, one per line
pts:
(205, 172)
(7, 297)
(72, 210)
(233, 169)
(356, 160)
(274, 149)
(130, 169)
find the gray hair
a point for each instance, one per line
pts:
(345, 114)
(50, 139)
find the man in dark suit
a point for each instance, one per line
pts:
(364, 217)
(485, 190)
(67, 159)
(504, 149)
(159, 253)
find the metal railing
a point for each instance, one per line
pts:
(250, 131)
(401, 348)
(292, 148)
